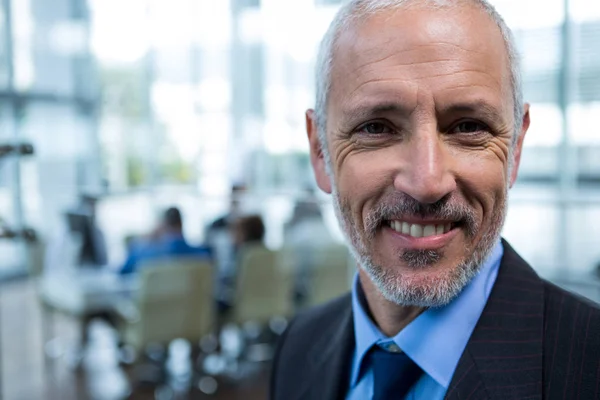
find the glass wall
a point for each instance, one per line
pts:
(49, 99)
(170, 102)
(228, 94)
(557, 198)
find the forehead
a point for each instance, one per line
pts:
(447, 53)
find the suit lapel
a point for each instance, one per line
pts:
(467, 382)
(503, 358)
(330, 360)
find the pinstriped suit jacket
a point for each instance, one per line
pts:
(533, 341)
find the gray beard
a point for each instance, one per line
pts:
(400, 289)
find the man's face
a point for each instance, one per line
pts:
(419, 130)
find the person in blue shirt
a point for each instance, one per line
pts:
(166, 240)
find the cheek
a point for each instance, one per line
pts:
(483, 180)
(485, 174)
(362, 178)
(364, 172)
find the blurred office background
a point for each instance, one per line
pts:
(147, 104)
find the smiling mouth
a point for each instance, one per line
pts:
(421, 230)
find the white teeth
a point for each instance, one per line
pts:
(406, 228)
(429, 230)
(416, 230)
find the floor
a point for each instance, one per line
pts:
(27, 374)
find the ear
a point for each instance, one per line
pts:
(317, 158)
(519, 146)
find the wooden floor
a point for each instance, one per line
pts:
(26, 374)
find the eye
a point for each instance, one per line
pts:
(374, 128)
(469, 127)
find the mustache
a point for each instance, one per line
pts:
(399, 205)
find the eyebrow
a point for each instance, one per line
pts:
(364, 111)
(479, 107)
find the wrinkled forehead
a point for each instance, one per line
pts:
(421, 44)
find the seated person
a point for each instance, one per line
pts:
(218, 235)
(78, 240)
(93, 245)
(248, 230)
(166, 240)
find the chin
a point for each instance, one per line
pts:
(429, 286)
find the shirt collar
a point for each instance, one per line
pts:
(436, 339)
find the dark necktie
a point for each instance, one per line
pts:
(393, 374)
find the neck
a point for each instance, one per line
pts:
(390, 317)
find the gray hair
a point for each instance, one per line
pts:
(357, 9)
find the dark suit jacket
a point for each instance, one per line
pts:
(532, 341)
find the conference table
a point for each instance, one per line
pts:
(81, 292)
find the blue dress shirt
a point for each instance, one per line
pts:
(435, 340)
(168, 245)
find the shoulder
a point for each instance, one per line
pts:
(566, 308)
(304, 330)
(221, 222)
(571, 342)
(320, 316)
(304, 334)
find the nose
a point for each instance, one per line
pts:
(426, 174)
